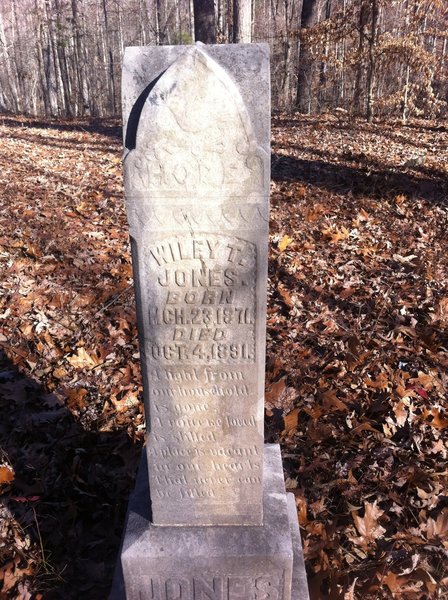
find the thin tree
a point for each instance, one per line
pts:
(306, 66)
(242, 21)
(204, 21)
(372, 39)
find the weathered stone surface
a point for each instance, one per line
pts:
(197, 183)
(214, 563)
(299, 587)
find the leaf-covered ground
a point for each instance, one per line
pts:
(357, 363)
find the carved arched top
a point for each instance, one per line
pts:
(194, 136)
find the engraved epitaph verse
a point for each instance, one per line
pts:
(201, 354)
(201, 326)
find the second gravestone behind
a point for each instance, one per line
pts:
(197, 137)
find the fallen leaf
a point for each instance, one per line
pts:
(401, 413)
(434, 417)
(380, 383)
(350, 593)
(291, 421)
(59, 373)
(279, 396)
(129, 400)
(285, 295)
(394, 582)
(284, 242)
(335, 235)
(76, 398)
(82, 359)
(331, 401)
(441, 312)
(368, 527)
(438, 528)
(302, 512)
(6, 474)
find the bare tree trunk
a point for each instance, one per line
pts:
(113, 104)
(371, 58)
(88, 61)
(11, 83)
(44, 83)
(65, 79)
(120, 27)
(80, 63)
(305, 75)
(406, 96)
(277, 89)
(147, 25)
(323, 66)
(62, 58)
(204, 21)
(142, 17)
(154, 16)
(360, 69)
(442, 66)
(291, 12)
(341, 94)
(61, 44)
(179, 24)
(54, 60)
(287, 70)
(161, 10)
(404, 114)
(242, 21)
(47, 58)
(18, 62)
(191, 18)
(222, 29)
(100, 101)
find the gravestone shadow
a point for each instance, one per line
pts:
(373, 179)
(69, 493)
(108, 127)
(134, 115)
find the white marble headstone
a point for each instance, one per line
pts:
(197, 167)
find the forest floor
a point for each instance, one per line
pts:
(357, 358)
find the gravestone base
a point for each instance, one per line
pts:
(214, 562)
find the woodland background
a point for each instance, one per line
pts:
(372, 57)
(357, 328)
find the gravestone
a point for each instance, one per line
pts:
(209, 518)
